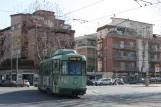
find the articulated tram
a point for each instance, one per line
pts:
(64, 73)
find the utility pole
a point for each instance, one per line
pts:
(17, 66)
(143, 56)
(11, 52)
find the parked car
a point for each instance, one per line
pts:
(90, 82)
(104, 81)
(120, 81)
(133, 82)
(8, 83)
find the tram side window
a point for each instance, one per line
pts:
(64, 67)
(56, 64)
(84, 67)
(50, 68)
(40, 69)
(47, 73)
(60, 66)
(46, 69)
(43, 72)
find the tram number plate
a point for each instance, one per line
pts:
(75, 59)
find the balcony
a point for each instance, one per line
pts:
(152, 69)
(128, 47)
(130, 58)
(152, 49)
(99, 58)
(99, 40)
(154, 59)
(124, 69)
(86, 44)
(99, 48)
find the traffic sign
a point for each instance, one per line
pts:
(157, 68)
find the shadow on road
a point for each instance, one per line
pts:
(34, 97)
(133, 99)
(28, 96)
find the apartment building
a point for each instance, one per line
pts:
(117, 55)
(125, 51)
(5, 48)
(154, 52)
(87, 46)
(142, 29)
(28, 31)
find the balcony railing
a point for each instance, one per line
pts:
(152, 69)
(99, 40)
(152, 49)
(87, 44)
(124, 69)
(99, 59)
(118, 46)
(155, 59)
(117, 57)
(99, 48)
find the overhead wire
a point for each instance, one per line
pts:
(9, 11)
(66, 13)
(83, 7)
(122, 12)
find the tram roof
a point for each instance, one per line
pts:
(65, 56)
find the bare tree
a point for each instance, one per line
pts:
(43, 31)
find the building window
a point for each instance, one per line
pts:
(131, 43)
(16, 51)
(12, 28)
(122, 42)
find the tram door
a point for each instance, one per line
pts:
(56, 75)
(41, 69)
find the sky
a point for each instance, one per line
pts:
(148, 14)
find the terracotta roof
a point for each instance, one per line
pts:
(105, 26)
(129, 20)
(43, 11)
(7, 28)
(17, 14)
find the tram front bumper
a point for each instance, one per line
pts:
(78, 91)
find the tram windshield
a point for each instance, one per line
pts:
(75, 68)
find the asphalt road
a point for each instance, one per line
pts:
(97, 96)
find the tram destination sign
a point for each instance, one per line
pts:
(75, 59)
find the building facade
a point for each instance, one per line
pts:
(126, 52)
(86, 45)
(31, 37)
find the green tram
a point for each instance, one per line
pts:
(64, 73)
